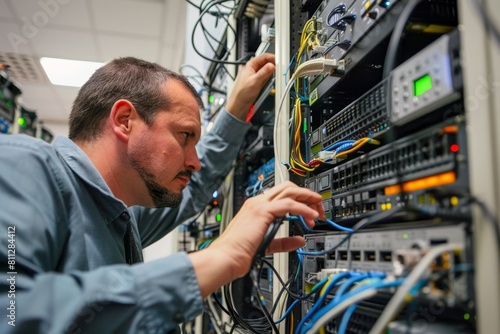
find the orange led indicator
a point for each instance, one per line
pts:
(423, 183)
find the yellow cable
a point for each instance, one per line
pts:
(357, 145)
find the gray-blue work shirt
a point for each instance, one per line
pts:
(66, 270)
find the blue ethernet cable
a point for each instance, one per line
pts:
(348, 295)
(321, 299)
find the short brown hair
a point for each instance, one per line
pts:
(138, 81)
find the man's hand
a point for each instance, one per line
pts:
(231, 255)
(250, 80)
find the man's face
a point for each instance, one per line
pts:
(164, 154)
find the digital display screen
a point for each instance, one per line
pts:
(422, 85)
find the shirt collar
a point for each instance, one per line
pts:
(111, 207)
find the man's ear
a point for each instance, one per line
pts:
(120, 118)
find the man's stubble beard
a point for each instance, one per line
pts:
(162, 197)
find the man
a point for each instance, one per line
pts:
(77, 212)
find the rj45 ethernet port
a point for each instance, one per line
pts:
(342, 255)
(370, 256)
(356, 255)
(385, 256)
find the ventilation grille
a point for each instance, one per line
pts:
(23, 68)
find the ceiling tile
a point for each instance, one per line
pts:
(60, 43)
(113, 46)
(12, 39)
(95, 30)
(128, 16)
(5, 11)
(72, 13)
(26, 9)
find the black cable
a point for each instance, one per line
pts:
(290, 293)
(218, 302)
(234, 313)
(193, 34)
(397, 33)
(491, 217)
(283, 289)
(258, 293)
(488, 22)
(442, 193)
(233, 77)
(207, 33)
(268, 238)
(203, 2)
(191, 67)
(218, 14)
(192, 4)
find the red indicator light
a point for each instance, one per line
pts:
(454, 148)
(215, 202)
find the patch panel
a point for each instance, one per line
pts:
(383, 249)
(366, 117)
(389, 249)
(400, 173)
(362, 16)
(396, 100)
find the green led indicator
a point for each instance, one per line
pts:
(422, 85)
(211, 99)
(466, 316)
(405, 236)
(218, 217)
(21, 121)
(8, 104)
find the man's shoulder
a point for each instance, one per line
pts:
(23, 149)
(30, 144)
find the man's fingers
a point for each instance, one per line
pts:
(291, 190)
(265, 73)
(286, 244)
(258, 62)
(280, 207)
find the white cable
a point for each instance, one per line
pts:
(216, 320)
(311, 67)
(332, 313)
(416, 274)
(277, 154)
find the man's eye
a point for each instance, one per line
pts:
(186, 135)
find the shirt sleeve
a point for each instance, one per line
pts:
(217, 150)
(147, 297)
